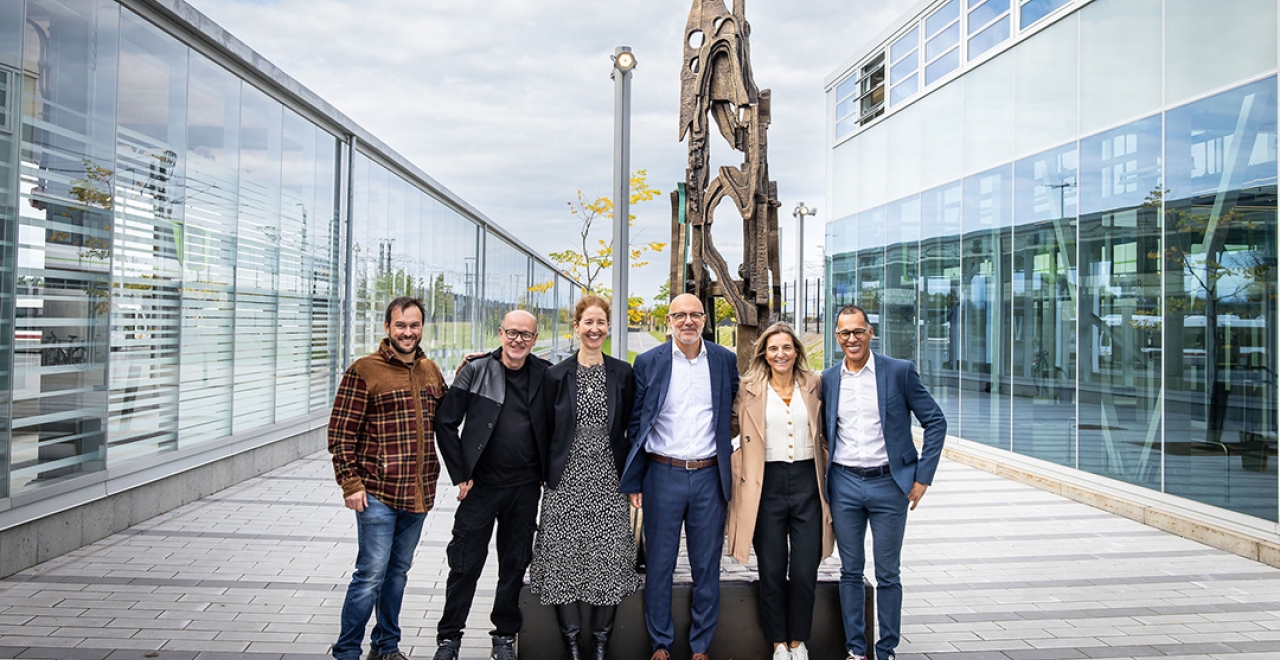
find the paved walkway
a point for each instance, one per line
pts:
(994, 570)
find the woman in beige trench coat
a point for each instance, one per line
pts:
(779, 501)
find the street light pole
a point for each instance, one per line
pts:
(623, 64)
(799, 214)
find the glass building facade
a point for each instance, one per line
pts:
(1064, 212)
(192, 248)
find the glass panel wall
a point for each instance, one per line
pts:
(1044, 305)
(172, 253)
(985, 286)
(146, 309)
(1220, 299)
(1102, 295)
(257, 260)
(64, 237)
(211, 203)
(506, 286)
(1119, 328)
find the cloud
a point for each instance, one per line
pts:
(509, 103)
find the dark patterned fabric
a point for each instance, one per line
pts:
(585, 550)
(381, 430)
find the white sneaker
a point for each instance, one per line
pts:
(781, 652)
(851, 656)
(800, 652)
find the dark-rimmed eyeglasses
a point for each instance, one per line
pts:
(518, 334)
(846, 335)
(681, 317)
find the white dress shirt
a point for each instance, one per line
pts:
(786, 428)
(859, 436)
(684, 428)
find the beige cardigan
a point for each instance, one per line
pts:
(748, 462)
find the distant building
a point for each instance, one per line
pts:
(1064, 211)
(192, 248)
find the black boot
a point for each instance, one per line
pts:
(601, 628)
(570, 625)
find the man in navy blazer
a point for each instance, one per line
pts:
(875, 474)
(679, 471)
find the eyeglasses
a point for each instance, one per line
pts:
(518, 334)
(860, 333)
(681, 317)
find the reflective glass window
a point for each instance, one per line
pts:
(146, 269)
(324, 246)
(257, 260)
(1119, 327)
(942, 42)
(1209, 45)
(985, 287)
(939, 294)
(842, 274)
(11, 32)
(8, 230)
(941, 67)
(1219, 206)
(293, 299)
(1034, 10)
(542, 303)
(905, 89)
(942, 18)
(870, 264)
(902, 69)
(1043, 382)
(982, 12)
(210, 207)
(65, 208)
(898, 327)
(989, 38)
(506, 285)
(905, 45)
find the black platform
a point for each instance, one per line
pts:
(738, 633)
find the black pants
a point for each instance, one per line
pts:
(790, 508)
(516, 512)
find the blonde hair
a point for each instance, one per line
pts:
(759, 370)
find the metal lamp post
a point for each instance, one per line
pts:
(799, 214)
(623, 64)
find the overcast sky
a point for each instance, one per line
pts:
(509, 103)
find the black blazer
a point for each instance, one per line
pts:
(560, 392)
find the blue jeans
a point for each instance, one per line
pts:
(387, 539)
(855, 503)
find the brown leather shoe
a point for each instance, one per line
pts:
(661, 654)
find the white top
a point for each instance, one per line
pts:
(859, 436)
(685, 427)
(786, 428)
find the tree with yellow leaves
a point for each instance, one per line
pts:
(585, 263)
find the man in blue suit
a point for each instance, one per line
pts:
(679, 472)
(875, 474)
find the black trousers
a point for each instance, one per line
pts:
(515, 510)
(790, 514)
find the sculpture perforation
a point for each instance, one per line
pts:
(716, 81)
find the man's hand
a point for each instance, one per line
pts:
(464, 488)
(916, 494)
(356, 501)
(467, 358)
(636, 500)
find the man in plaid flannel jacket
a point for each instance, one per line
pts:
(382, 437)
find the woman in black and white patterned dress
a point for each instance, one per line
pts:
(585, 551)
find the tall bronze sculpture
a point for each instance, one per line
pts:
(716, 81)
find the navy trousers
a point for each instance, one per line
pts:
(676, 498)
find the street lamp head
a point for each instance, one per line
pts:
(624, 61)
(802, 211)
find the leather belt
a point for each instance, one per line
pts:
(681, 463)
(867, 472)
